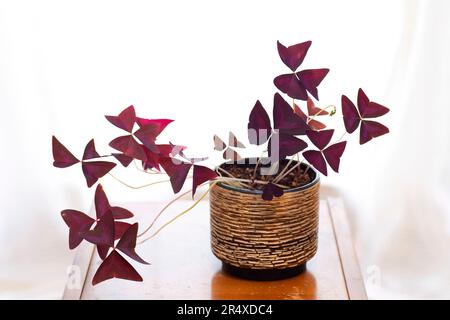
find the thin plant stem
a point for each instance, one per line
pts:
(246, 182)
(256, 167)
(280, 175)
(307, 168)
(342, 137)
(180, 214)
(146, 171)
(234, 178)
(162, 210)
(105, 156)
(188, 209)
(141, 186)
(317, 114)
(226, 172)
(255, 181)
(298, 160)
(290, 170)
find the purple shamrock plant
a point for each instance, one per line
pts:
(292, 134)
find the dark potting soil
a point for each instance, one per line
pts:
(296, 178)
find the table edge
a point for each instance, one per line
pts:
(347, 254)
(344, 241)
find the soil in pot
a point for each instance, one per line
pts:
(298, 177)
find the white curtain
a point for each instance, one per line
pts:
(63, 65)
(404, 217)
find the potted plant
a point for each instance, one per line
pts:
(264, 209)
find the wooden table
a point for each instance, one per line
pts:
(183, 267)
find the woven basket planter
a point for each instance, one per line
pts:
(265, 240)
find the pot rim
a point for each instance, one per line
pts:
(242, 190)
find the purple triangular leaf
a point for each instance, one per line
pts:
(129, 146)
(294, 55)
(147, 135)
(259, 127)
(320, 138)
(316, 159)
(127, 243)
(94, 170)
(201, 174)
(77, 222)
(123, 159)
(370, 130)
(103, 232)
(291, 85)
(350, 114)
(270, 190)
(115, 266)
(177, 171)
(120, 228)
(334, 153)
(125, 120)
(121, 213)
(288, 145)
(311, 79)
(101, 202)
(62, 157)
(90, 152)
(284, 118)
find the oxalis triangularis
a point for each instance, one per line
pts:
(294, 133)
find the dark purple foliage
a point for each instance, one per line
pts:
(366, 110)
(259, 125)
(129, 147)
(288, 145)
(62, 157)
(284, 118)
(271, 190)
(147, 135)
(90, 152)
(125, 120)
(201, 174)
(77, 222)
(103, 232)
(297, 85)
(331, 154)
(177, 171)
(106, 231)
(123, 159)
(113, 237)
(115, 266)
(313, 124)
(92, 170)
(127, 243)
(293, 56)
(119, 229)
(286, 126)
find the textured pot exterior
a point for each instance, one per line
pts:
(251, 233)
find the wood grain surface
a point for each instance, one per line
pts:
(183, 266)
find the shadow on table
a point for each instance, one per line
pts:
(301, 287)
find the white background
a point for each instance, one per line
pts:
(63, 65)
